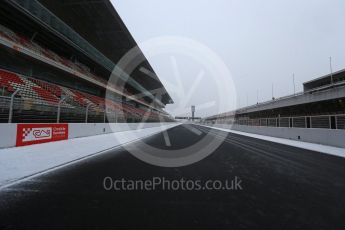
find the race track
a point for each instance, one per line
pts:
(282, 187)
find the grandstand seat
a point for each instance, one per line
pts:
(47, 96)
(47, 93)
(52, 88)
(28, 89)
(21, 40)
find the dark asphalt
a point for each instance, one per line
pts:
(282, 188)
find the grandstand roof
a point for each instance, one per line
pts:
(315, 91)
(338, 77)
(98, 34)
(100, 24)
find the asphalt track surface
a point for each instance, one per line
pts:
(282, 188)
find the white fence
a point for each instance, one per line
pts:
(8, 132)
(330, 137)
(318, 122)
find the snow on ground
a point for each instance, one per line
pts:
(23, 162)
(299, 144)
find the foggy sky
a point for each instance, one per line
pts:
(261, 42)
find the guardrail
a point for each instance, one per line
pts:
(18, 110)
(26, 110)
(319, 122)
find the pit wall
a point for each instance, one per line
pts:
(331, 137)
(8, 132)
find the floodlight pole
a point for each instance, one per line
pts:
(59, 108)
(87, 112)
(294, 85)
(10, 113)
(257, 97)
(104, 114)
(330, 66)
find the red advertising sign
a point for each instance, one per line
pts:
(28, 134)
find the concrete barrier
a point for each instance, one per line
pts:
(331, 137)
(8, 132)
(91, 129)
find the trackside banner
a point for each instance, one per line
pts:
(28, 134)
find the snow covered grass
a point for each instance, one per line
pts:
(299, 144)
(23, 162)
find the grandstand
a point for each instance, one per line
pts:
(52, 69)
(320, 105)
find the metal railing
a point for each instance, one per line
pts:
(336, 121)
(17, 110)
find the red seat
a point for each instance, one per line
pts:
(49, 93)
